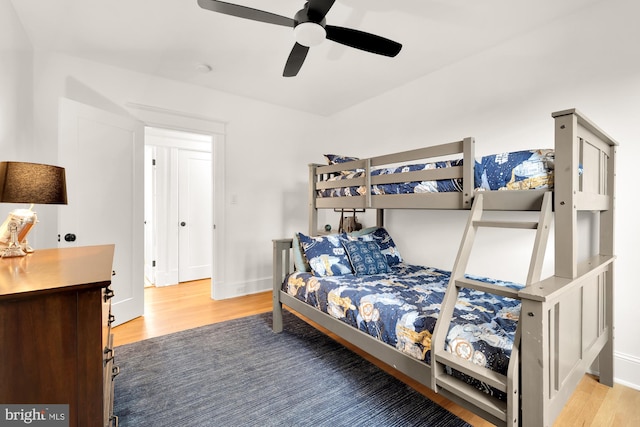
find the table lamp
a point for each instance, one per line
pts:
(22, 182)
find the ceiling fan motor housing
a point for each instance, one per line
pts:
(309, 30)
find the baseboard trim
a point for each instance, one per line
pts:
(237, 289)
(627, 370)
(166, 278)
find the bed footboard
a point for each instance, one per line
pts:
(566, 327)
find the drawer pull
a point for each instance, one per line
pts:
(112, 319)
(114, 420)
(108, 352)
(108, 294)
(115, 372)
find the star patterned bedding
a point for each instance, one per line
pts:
(401, 308)
(399, 303)
(518, 170)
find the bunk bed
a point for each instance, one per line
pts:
(563, 323)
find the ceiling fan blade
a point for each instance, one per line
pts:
(363, 41)
(295, 61)
(246, 12)
(318, 9)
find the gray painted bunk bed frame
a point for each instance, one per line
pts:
(565, 327)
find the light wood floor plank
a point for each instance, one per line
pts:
(189, 305)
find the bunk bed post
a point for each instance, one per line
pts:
(313, 210)
(534, 351)
(565, 187)
(281, 267)
(379, 217)
(367, 184)
(605, 358)
(468, 181)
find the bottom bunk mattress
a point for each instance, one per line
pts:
(401, 307)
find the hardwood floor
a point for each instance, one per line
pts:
(188, 305)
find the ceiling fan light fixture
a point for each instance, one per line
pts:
(309, 34)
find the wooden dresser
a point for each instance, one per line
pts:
(56, 345)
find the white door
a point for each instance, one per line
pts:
(195, 215)
(103, 154)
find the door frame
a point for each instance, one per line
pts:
(166, 146)
(176, 120)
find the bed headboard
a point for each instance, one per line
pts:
(584, 181)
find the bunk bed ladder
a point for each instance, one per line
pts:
(499, 412)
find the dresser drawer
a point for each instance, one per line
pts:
(107, 317)
(109, 373)
(110, 370)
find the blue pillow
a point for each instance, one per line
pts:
(365, 257)
(383, 239)
(387, 246)
(516, 170)
(326, 255)
(334, 159)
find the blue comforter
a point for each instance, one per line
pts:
(518, 170)
(401, 307)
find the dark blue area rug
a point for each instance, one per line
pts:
(240, 373)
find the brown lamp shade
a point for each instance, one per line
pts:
(22, 182)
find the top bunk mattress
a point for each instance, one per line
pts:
(517, 170)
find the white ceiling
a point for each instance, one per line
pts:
(170, 38)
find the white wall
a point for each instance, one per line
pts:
(16, 98)
(504, 98)
(258, 136)
(16, 94)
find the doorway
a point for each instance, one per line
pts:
(178, 206)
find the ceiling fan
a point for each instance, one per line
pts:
(310, 29)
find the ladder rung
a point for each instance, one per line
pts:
(470, 394)
(487, 287)
(528, 225)
(487, 376)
